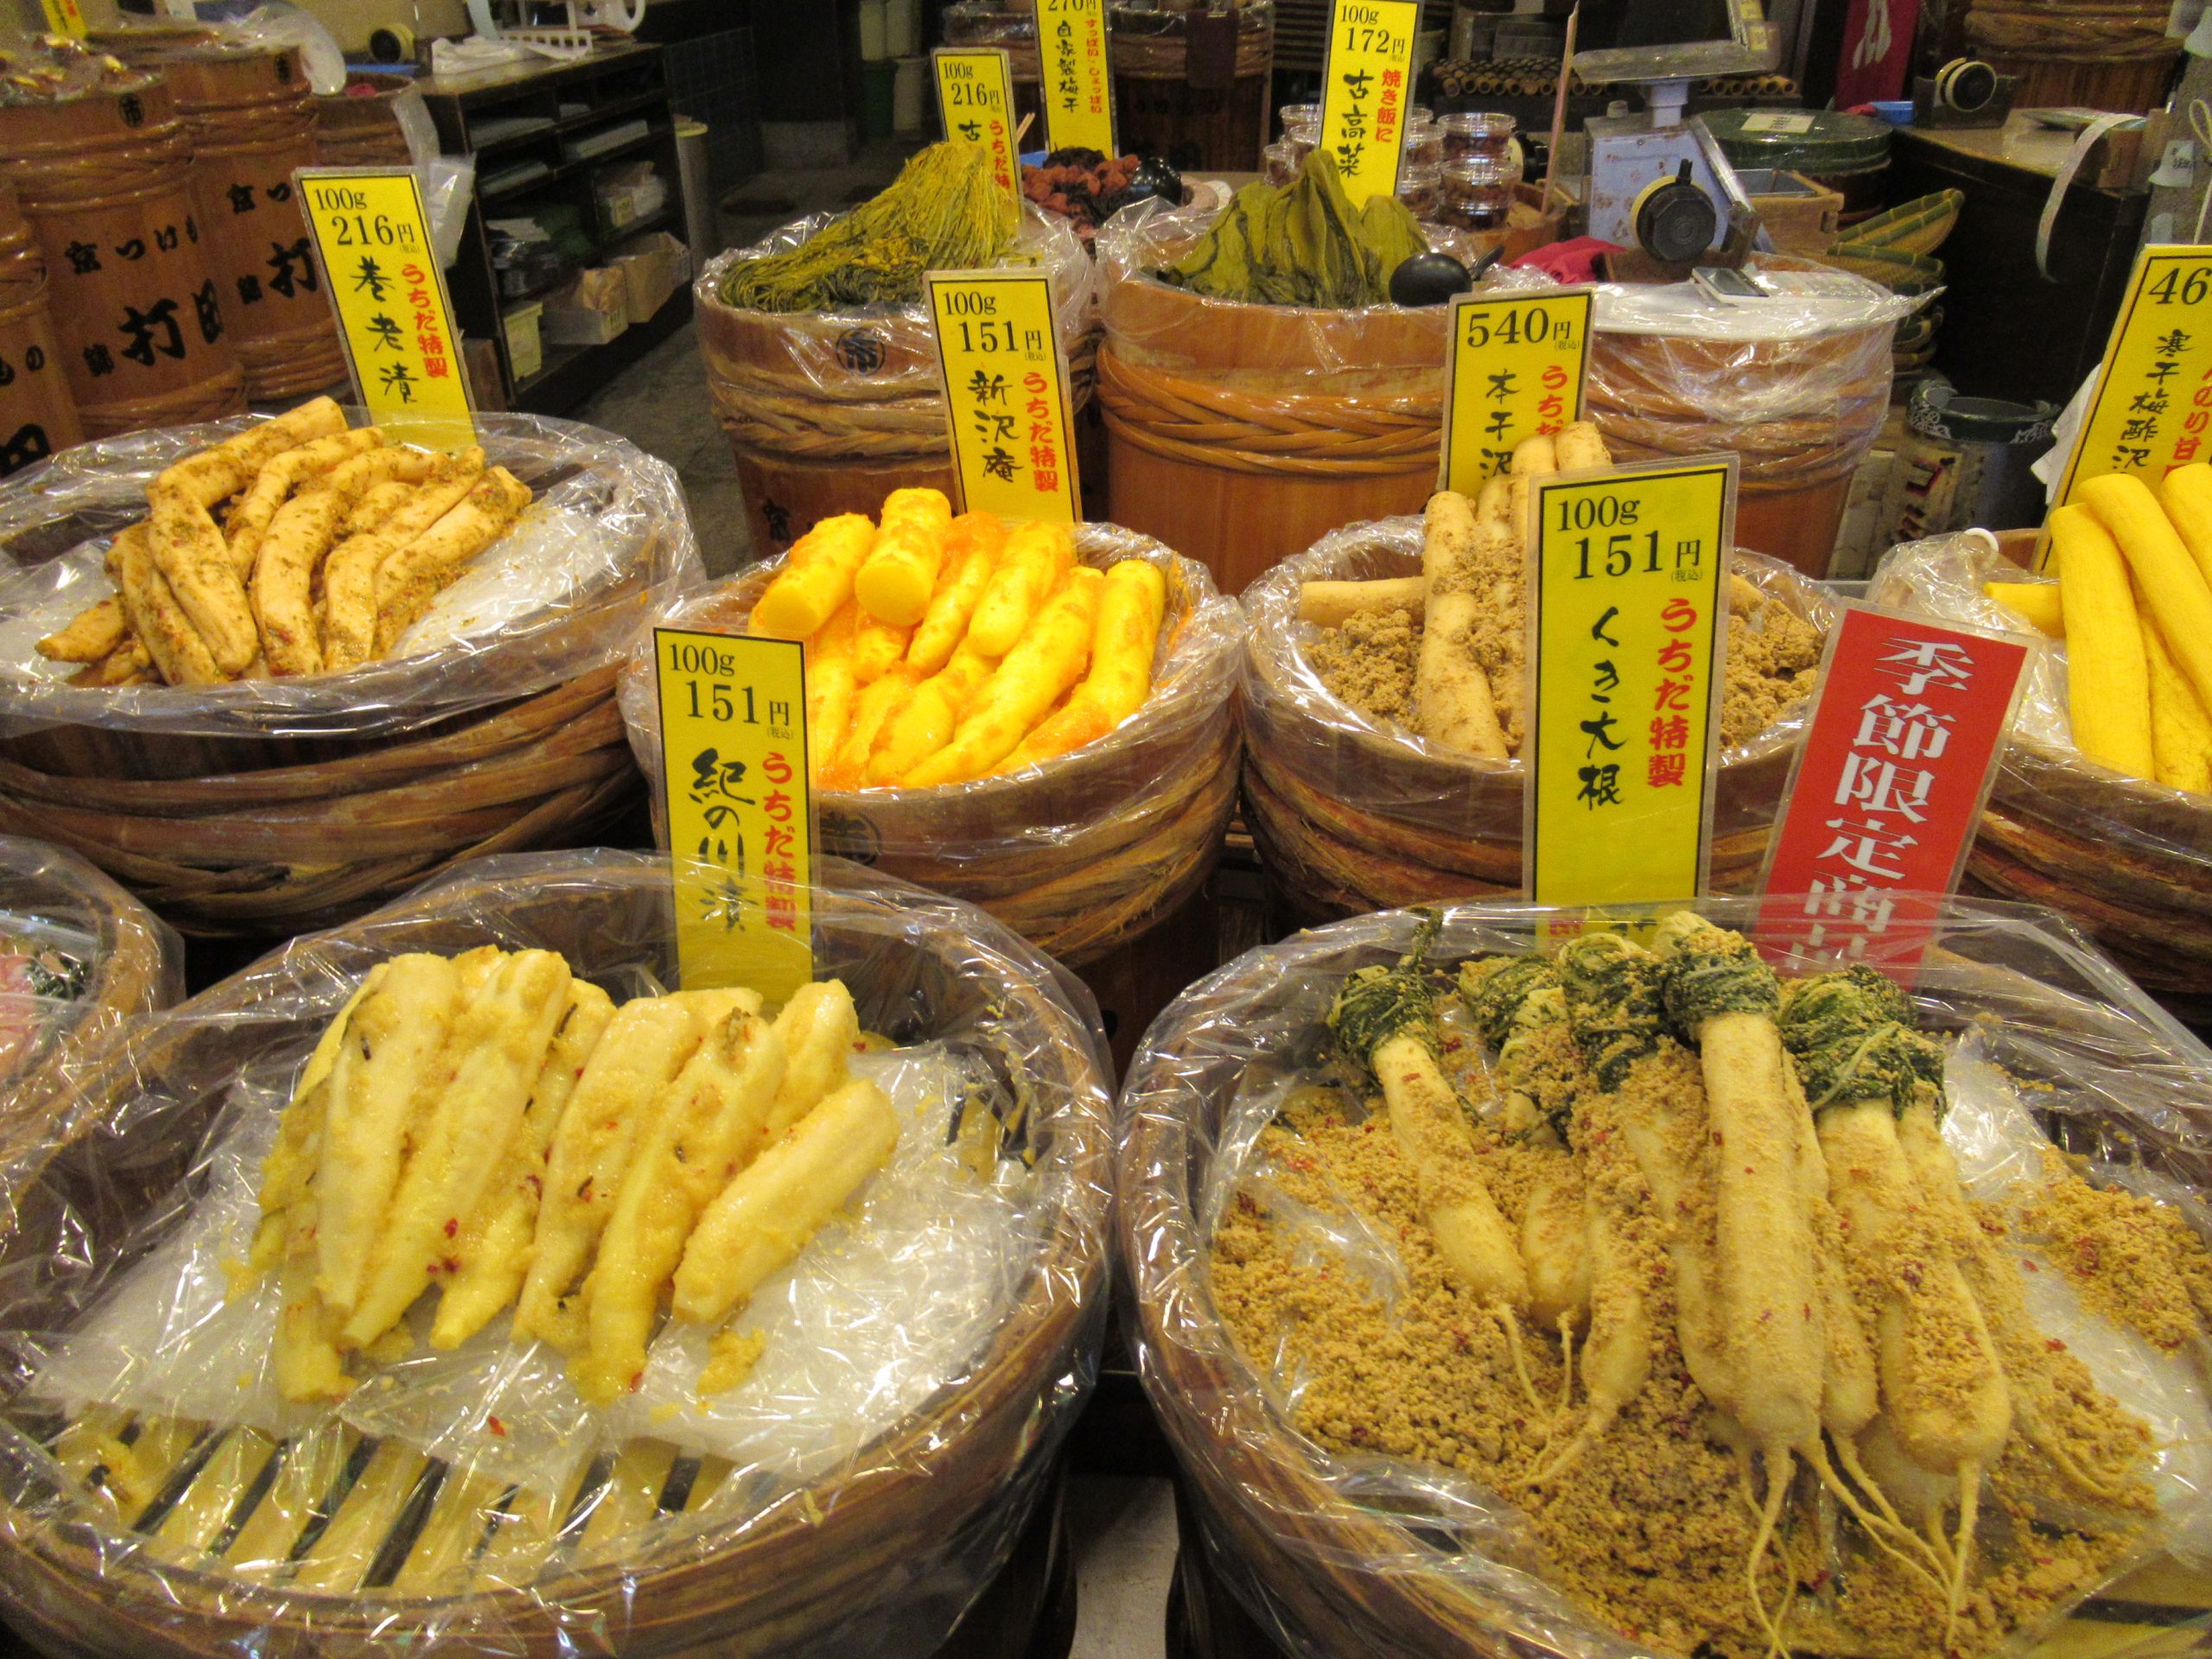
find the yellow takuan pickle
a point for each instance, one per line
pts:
(925, 722)
(1048, 659)
(1121, 648)
(2174, 589)
(1036, 557)
(830, 688)
(2038, 601)
(878, 647)
(972, 546)
(900, 575)
(876, 704)
(2186, 494)
(2181, 732)
(816, 577)
(2108, 676)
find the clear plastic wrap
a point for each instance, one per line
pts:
(1339, 1556)
(851, 1497)
(1373, 784)
(556, 597)
(1079, 854)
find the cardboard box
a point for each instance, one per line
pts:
(525, 349)
(590, 310)
(654, 267)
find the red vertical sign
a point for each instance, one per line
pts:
(1886, 792)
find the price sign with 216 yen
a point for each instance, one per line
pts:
(1626, 621)
(1006, 393)
(372, 240)
(741, 816)
(1518, 367)
(975, 96)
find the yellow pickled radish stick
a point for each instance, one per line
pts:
(816, 578)
(924, 723)
(2108, 674)
(256, 505)
(2038, 601)
(878, 647)
(1122, 646)
(1535, 456)
(2175, 590)
(900, 574)
(1036, 557)
(971, 553)
(829, 686)
(2181, 732)
(1578, 445)
(877, 702)
(2186, 494)
(920, 509)
(1049, 658)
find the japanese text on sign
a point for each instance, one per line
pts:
(975, 96)
(1006, 393)
(1625, 624)
(1517, 368)
(740, 816)
(2152, 408)
(1366, 90)
(1888, 788)
(372, 241)
(1078, 95)
(63, 17)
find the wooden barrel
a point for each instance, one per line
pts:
(1182, 90)
(36, 417)
(359, 127)
(2108, 54)
(250, 120)
(105, 180)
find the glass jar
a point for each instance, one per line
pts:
(1477, 132)
(1421, 190)
(1275, 163)
(1299, 115)
(1477, 194)
(1424, 144)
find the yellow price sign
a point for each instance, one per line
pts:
(63, 17)
(741, 816)
(1627, 616)
(372, 241)
(2152, 408)
(1367, 87)
(974, 97)
(1005, 394)
(1078, 91)
(1519, 366)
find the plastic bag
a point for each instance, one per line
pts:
(556, 597)
(1295, 725)
(1079, 854)
(867, 1534)
(1340, 1556)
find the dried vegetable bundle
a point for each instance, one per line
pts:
(1301, 244)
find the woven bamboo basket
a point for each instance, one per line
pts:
(1374, 1556)
(1079, 856)
(1351, 817)
(359, 127)
(267, 807)
(36, 416)
(829, 412)
(2111, 55)
(651, 1553)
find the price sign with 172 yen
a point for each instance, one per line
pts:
(740, 812)
(1005, 394)
(1627, 613)
(975, 99)
(1367, 88)
(1519, 365)
(372, 243)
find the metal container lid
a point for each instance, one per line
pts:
(1818, 141)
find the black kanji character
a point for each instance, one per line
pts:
(142, 326)
(249, 290)
(210, 313)
(395, 378)
(241, 197)
(282, 259)
(83, 257)
(371, 279)
(99, 360)
(1601, 785)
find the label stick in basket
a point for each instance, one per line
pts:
(975, 97)
(1367, 87)
(741, 815)
(1078, 91)
(373, 253)
(1519, 366)
(1005, 394)
(1883, 800)
(1627, 615)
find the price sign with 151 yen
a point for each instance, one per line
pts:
(1078, 91)
(741, 815)
(372, 244)
(1367, 87)
(1518, 368)
(2151, 409)
(1626, 618)
(974, 97)
(1005, 394)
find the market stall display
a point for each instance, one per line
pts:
(1383, 700)
(37, 414)
(181, 1480)
(1050, 739)
(1086, 187)
(821, 359)
(2100, 808)
(285, 756)
(1377, 1182)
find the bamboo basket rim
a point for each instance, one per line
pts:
(1060, 1292)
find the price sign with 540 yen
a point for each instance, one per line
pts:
(1518, 367)
(1627, 613)
(372, 240)
(1006, 393)
(741, 816)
